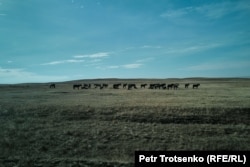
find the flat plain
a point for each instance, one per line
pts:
(62, 126)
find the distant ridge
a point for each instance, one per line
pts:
(149, 79)
(188, 79)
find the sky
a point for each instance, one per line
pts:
(61, 40)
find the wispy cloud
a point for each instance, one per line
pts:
(90, 58)
(113, 67)
(95, 60)
(95, 55)
(132, 48)
(219, 10)
(145, 60)
(129, 66)
(214, 11)
(193, 48)
(18, 75)
(64, 61)
(150, 47)
(126, 66)
(211, 11)
(171, 14)
(10, 72)
(3, 14)
(219, 66)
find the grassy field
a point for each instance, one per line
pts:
(103, 127)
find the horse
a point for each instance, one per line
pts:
(77, 86)
(124, 85)
(163, 86)
(176, 86)
(105, 85)
(98, 85)
(154, 86)
(151, 86)
(196, 86)
(143, 85)
(116, 86)
(52, 86)
(186, 85)
(86, 86)
(131, 86)
(170, 86)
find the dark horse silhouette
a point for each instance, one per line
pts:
(143, 85)
(163, 86)
(116, 86)
(98, 85)
(77, 86)
(170, 86)
(86, 86)
(151, 86)
(105, 85)
(176, 86)
(186, 85)
(196, 86)
(131, 86)
(52, 86)
(124, 85)
(154, 86)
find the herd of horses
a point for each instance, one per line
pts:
(130, 86)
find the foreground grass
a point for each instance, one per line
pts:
(55, 135)
(65, 127)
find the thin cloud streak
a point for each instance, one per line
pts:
(145, 60)
(193, 48)
(150, 47)
(126, 66)
(219, 10)
(10, 75)
(96, 55)
(63, 62)
(170, 14)
(113, 67)
(211, 11)
(130, 66)
(218, 66)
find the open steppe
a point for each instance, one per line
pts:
(62, 126)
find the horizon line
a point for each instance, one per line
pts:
(150, 78)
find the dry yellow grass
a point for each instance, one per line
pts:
(93, 127)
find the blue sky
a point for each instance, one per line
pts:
(59, 40)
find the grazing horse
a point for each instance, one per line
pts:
(170, 86)
(157, 86)
(154, 86)
(186, 85)
(143, 85)
(116, 86)
(98, 85)
(196, 86)
(105, 85)
(151, 86)
(163, 86)
(176, 86)
(52, 86)
(86, 86)
(131, 86)
(124, 85)
(77, 86)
